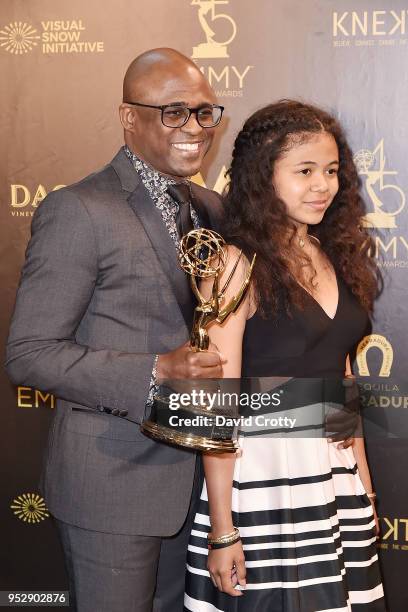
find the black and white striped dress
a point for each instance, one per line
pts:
(306, 523)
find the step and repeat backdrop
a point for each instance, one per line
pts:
(62, 65)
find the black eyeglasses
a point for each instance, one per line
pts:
(177, 115)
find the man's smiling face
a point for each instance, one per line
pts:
(177, 152)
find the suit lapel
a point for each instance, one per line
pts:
(200, 209)
(152, 222)
(207, 208)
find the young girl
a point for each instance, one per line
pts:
(291, 523)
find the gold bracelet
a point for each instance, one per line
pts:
(215, 546)
(372, 495)
(224, 539)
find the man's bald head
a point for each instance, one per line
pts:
(153, 66)
(158, 78)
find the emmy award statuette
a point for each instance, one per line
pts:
(203, 254)
(207, 12)
(378, 188)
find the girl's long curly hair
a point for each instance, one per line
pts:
(257, 221)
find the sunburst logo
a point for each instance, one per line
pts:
(30, 508)
(18, 38)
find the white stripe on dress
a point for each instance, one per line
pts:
(293, 496)
(365, 527)
(362, 563)
(294, 585)
(361, 597)
(358, 543)
(297, 561)
(202, 606)
(297, 544)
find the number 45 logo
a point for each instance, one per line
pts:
(212, 48)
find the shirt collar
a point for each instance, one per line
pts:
(148, 173)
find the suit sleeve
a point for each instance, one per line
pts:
(56, 287)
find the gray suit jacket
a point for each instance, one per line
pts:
(100, 294)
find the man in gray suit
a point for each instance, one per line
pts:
(102, 309)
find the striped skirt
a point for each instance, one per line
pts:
(307, 530)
